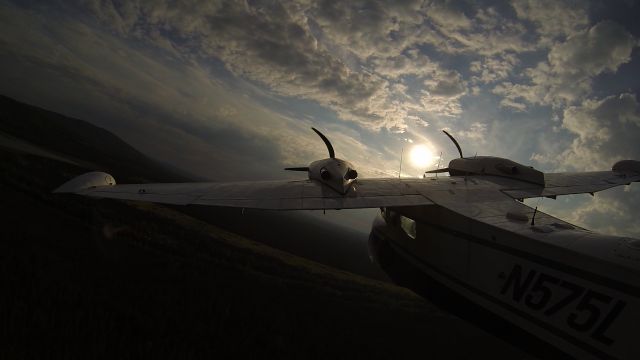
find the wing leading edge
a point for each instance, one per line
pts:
(362, 193)
(273, 195)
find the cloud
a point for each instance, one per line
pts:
(446, 87)
(419, 121)
(446, 16)
(476, 132)
(604, 131)
(510, 103)
(604, 47)
(442, 94)
(493, 68)
(346, 56)
(372, 69)
(567, 75)
(176, 111)
(517, 96)
(353, 57)
(367, 28)
(411, 62)
(486, 31)
(235, 85)
(553, 19)
(610, 212)
(269, 43)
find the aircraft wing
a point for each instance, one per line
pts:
(311, 194)
(623, 173)
(274, 195)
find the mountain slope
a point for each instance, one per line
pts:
(78, 139)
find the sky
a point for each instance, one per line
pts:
(228, 90)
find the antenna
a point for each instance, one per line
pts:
(400, 171)
(533, 218)
(535, 211)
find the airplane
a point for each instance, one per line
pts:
(468, 237)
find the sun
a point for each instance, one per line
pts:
(420, 156)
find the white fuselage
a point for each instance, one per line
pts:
(534, 277)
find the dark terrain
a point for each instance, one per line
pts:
(86, 278)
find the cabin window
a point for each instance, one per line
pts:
(408, 226)
(390, 217)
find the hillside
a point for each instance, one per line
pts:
(111, 279)
(77, 139)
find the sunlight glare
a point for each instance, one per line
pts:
(421, 156)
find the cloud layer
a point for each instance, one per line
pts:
(241, 82)
(357, 58)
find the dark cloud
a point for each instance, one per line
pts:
(606, 131)
(604, 47)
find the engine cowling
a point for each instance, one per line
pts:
(490, 165)
(337, 174)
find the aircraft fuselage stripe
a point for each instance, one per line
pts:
(558, 332)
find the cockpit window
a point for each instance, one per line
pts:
(409, 226)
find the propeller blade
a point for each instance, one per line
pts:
(302, 168)
(455, 142)
(437, 171)
(326, 142)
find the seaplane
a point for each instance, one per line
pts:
(466, 241)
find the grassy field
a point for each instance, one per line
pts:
(86, 278)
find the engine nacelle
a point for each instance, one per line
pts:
(335, 173)
(489, 165)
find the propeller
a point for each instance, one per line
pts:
(454, 142)
(437, 171)
(335, 173)
(299, 168)
(332, 153)
(443, 170)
